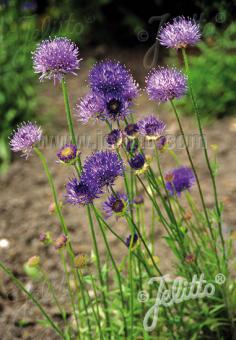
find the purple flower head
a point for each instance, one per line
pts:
(102, 168)
(90, 106)
(161, 142)
(132, 145)
(179, 179)
(114, 138)
(131, 131)
(53, 58)
(112, 78)
(131, 243)
(81, 193)
(151, 127)
(116, 107)
(182, 32)
(115, 204)
(165, 84)
(137, 162)
(25, 137)
(67, 153)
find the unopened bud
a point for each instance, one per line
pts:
(45, 238)
(33, 261)
(52, 207)
(60, 241)
(81, 261)
(190, 258)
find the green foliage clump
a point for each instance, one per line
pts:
(17, 93)
(213, 74)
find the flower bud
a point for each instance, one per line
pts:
(61, 241)
(81, 261)
(45, 238)
(33, 261)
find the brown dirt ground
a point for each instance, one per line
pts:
(25, 198)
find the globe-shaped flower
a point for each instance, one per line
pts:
(25, 137)
(53, 58)
(151, 127)
(102, 168)
(90, 106)
(179, 179)
(81, 193)
(67, 153)
(165, 84)
(115, 204)
(112, 78)
(114, 138)
(182, 32)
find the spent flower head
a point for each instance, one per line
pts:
(131, 130)
(115, 204)
(54, 58)
(140, 163)
(114, 138)
(131, 241)
(68, 153)
(25, 138)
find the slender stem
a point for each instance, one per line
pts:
(69, 117)
(68, 113)
(32, 298)
(114, 266)
(63, 260)
(129, 220)
(99, 268)
(131, 288)
(198, 182)
(205, 149)
(54, 296)
(51, 184)
(83, 289)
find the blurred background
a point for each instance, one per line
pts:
(110, 27)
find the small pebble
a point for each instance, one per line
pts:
(4, 243)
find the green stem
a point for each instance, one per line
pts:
(32, 298)
(68, 113)
(198, 183)
(99, 268)
(63, 260)
(114, 266)
(52, 187)
(69, 117)
(54, 296)
(131, 288)
(197, 114)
